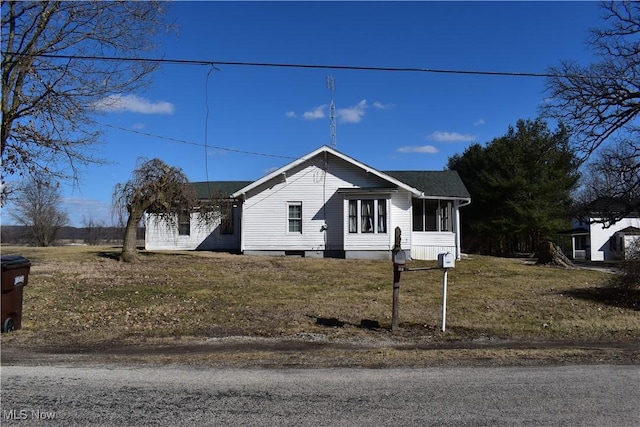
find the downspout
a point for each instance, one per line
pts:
(242, 199)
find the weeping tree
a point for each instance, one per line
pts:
(163, 190)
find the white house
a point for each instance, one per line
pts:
(591, 240)
(326, 204)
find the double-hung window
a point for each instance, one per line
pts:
(367, 216)
(382, 216)
(184, 223)
(353, 216)
(294, 217)
(367, 213)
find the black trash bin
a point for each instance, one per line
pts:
(15, 276)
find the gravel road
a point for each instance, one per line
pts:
(602, 395)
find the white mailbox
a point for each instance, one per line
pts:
(446, 260)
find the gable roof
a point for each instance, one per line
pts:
(631, 231)
(444, 183)
(215, 189)
(328, 150)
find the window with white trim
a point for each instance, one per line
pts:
(432, 215)
(367, 215)
(294, 217)
(184, 223)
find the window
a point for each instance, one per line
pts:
(353, 216)
(418, 214)
(226, 218)
(367, 211)
(184, 223)
(581, 243)
(445, 216)
(382, 216)
(431, 220)
(432, 215)
(294, 217)
(367, 216)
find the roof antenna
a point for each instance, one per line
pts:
(332, 111)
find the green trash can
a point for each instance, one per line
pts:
(15, 276)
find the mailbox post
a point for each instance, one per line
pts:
(445, 261)
(399, 260)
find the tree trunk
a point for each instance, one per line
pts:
(550, 254)
(129, 247)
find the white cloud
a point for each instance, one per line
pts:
(380, 106)
(423, 149)
(352, 114)
(316, 113)
(133, 104)
(441, 136)
(479, 122)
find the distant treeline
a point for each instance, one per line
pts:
(96, 235)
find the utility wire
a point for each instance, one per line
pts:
(182, 141)
(312, 66)
(206, 122)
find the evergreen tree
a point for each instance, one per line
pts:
(520, 184)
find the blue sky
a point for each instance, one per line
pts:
(388, 120)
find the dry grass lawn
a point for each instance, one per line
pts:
(84, 296)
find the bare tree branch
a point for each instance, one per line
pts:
(600, 104)
(48, 103)
(163, 190)
(37, 207)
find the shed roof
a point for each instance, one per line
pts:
(216, 189)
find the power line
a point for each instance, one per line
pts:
(311, 66)
(206, 146)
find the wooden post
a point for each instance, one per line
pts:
(397, 270)
(396, 297)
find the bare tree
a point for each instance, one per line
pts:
(37, 207)
(600, 102)
(611, 183)
(96, 231)
(163, 190)
(52, 83)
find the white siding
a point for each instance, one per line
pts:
(265, 208)
(427, 245)
(600, 237)
(401, 217)
(160, 236)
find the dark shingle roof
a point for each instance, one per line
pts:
(631, 230)
(445, 183)
(214, 189)
(613, 205)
